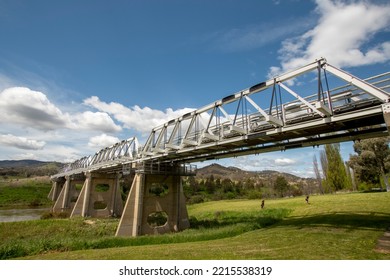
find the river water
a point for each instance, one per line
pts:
(15, 215)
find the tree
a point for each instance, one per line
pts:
(281, 185)
(210, 184)
(318, 175)
(333, 168)
(227, 185)
(372, 160)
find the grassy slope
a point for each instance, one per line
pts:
(343, 226)
(24, 192)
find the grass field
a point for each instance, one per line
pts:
(24, 192)
(342, 226)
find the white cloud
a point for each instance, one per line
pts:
(97, 121)
(343, 35)
(284, 161)
(45, 129)
(102, 141)
(53, 133)
(25, 156)
(137, 118)
(30, 108)
(20, 105)
(61, 153)
(21, 142)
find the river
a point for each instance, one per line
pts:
(23, 214)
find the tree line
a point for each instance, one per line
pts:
(216, 188)
(366, 170)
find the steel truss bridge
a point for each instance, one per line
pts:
(313, 105)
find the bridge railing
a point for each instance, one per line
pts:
(123, 151)
(289, 103)
(300, 104)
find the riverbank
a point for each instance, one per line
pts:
(24, 192)
(22, 214)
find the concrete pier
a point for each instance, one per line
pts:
(155, 205)
(99, 197)
(68, 195)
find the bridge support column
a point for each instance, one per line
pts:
(155, 205)
(56, 189)
(99, 197)
(68, 195)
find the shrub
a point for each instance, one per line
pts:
(196, 199)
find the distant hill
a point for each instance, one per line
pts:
(20, 163)
(234, 173)
(215, 182)
(27, 168)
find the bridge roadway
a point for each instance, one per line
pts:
(238, 125)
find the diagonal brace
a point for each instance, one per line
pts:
(271, 119)
(304, 101)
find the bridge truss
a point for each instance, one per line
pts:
(313, 105)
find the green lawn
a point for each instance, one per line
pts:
(342, 226)
(24, 192)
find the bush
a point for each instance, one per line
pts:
(254, 194)
(54, 215)
(364, 186)
(196, 199)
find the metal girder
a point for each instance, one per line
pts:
(126, 150)
(232, 129)
(229, 127)
(268, 118)
(302, 100)
(369, 88)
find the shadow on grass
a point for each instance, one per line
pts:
(345, 220)
(221, 224)
(256, 220)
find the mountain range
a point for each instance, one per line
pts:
(35, 167)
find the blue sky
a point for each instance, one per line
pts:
(76, 76)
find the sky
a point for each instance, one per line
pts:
(77, 76)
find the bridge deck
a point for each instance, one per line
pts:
(238, 125)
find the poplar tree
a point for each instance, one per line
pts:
(333, 168)
(318, 175)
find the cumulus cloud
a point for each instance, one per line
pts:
(25, 112)
(31, 108)
(98, 121)
(20, 105)
(102, 141)
(342, 35)
(21, 142)
(137, 118)
(284, 161)
(62, 153)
